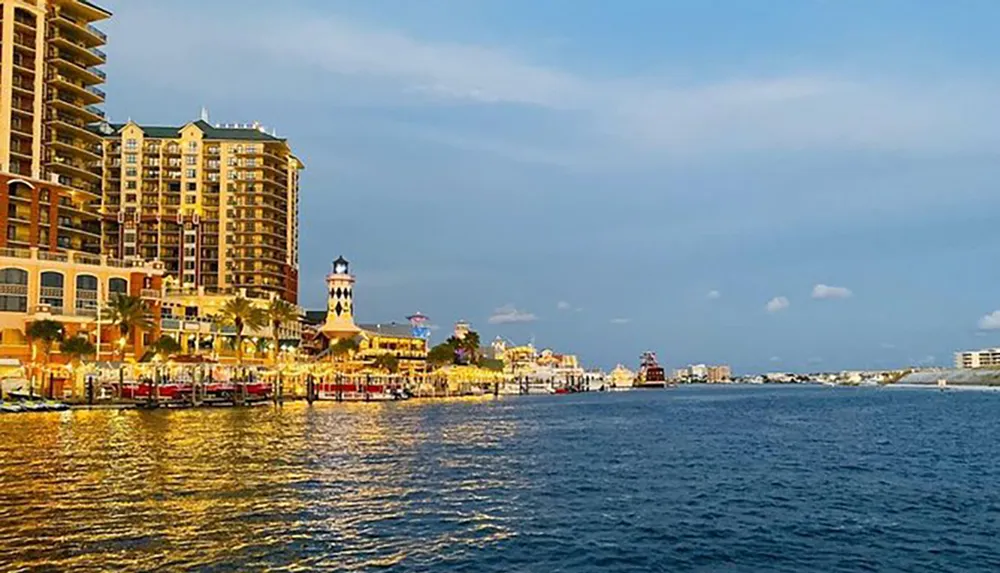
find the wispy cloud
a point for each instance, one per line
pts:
(821, 292)
(991, 321)
(621, 320)
(563, 305)
(713, 294)
(509, 314)
(777, 304)
(337, 55)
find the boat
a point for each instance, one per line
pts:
(621, 378)
(10, 407)
(361, 391)
(651, 374)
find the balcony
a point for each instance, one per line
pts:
(83, 32)
(89, 56)
(75, 126)
(74, 147)
(89, 75)
(89, 94)
(78, 169)
(77, 109)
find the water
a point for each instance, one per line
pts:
(694, 479)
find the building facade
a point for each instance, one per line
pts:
(69, 288)
(218, 205)
(189, 316)
(985, 358)
(50, 173)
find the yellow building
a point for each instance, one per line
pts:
(190, 318)
(395, 340)
(69, 288)
(217, 204)
(50, 61)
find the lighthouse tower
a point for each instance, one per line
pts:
(340, 302)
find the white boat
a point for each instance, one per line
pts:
(621, 378)
(10, 407)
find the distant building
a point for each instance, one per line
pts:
(706, 373)
(461, 329)
(985, 358)
(718, 374)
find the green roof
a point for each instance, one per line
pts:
(211, 132)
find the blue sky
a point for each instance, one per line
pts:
(783, 185)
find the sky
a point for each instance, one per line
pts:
(792, 185)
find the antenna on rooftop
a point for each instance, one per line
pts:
(204, 114)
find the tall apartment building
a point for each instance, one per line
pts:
(50, 171)
(218, 205)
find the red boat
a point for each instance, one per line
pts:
(142, 391)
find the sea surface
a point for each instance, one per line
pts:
(692, 479)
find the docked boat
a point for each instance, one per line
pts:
(621, 378)
(361, 391)
(10, 407)
(651, 374)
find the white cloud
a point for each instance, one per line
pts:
(775, 359)
(777, 304)
(822, 291)
(563, 305)
(621, 320)
(991, 321)
(509, 314)
(713, 294)
(334, 55)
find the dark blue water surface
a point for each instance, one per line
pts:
(693, 479)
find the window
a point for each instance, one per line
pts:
(52, 290)
(190, 160)
(118, 286)
(130, 198)
(191, 173)
(130, 185)
(130, 158)
(43, 195)
(86, 294)
(192, 186)
(15, 291)
(191, 199)
(188, 265)
(193, 145)
(131, 144)
(251, 149)
(131, 172)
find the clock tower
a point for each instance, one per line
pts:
(340, 302)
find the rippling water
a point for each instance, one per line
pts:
(697, 479)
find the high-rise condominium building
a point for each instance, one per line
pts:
(50, 175)
(218, 205)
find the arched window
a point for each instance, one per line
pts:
(52, 290)
(117, 286)
(86, 295)
(13, 290)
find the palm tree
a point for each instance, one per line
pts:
(45, 333)
(164, 347)
(345, 347)
(129, 314)
(387, 362)
(279, 313)
(77, 348)
(241, 314)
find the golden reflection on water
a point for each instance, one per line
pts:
(344, 485)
